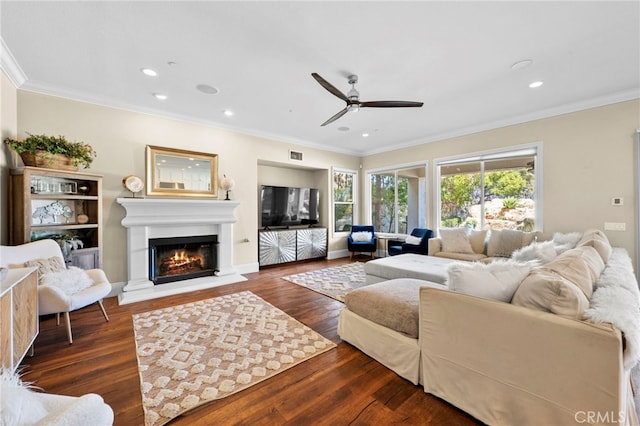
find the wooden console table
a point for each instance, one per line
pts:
(18, 315)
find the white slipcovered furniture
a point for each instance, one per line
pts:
(561, 352)
(51, 299)
(480, 246)
(22, 405)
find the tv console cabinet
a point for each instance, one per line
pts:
(289, 245)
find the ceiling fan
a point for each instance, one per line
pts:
(352, 98)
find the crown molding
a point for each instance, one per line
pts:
(586, 104)
(10, 66)
(51, 90)
(47, 89)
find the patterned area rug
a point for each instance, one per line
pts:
(195, 353)
(334, 282)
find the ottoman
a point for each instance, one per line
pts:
(382, 321)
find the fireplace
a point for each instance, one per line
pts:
(182, 258)
(147, 219)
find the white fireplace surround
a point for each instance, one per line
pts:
(169, 217)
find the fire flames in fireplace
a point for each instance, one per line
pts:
(180, 258)
(180, 263)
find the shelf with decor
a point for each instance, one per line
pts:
(62, 205)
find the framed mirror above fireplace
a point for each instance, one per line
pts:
(172, 172)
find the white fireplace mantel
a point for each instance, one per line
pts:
(170, 217)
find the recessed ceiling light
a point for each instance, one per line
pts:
(227, 112)
(365, 135)
(160, 96)
(536, 84)
(209, 90)
(521, 64)
(149, 72)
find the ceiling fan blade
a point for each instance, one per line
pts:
(390, 104)
(324, 83)
(335, 117)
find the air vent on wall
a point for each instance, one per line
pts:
(295, 155)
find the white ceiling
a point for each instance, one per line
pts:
(455, 57)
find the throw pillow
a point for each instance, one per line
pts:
(477, 239)
(539, 252)
(581, 265)
(70, 281)
(455, 240)
(361, 236)
(598, 240)
(45, 266)
(544, 290)
(503, 242)
(19, 404)
(413, 240)
(496, 280)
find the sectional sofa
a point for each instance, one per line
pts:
(524, 341)
(453, 245)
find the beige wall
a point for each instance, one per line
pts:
(119, 137)
(8, 129)
(588, 158)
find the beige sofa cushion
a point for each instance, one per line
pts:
(581, 265)
(477, 239)
(503, 242)
(392, 304)
(598, 240)
(563, 286)
(455, 240)
(546, 291)
(468, 257)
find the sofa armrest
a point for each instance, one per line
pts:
(435, 245)
(505, 364)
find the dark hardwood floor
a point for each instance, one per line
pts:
(342, 386)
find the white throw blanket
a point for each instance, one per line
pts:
(616, 300)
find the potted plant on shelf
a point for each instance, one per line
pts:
(54, 152)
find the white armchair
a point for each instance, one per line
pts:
(52, 300)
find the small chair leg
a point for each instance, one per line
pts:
(58, 318)
(350, 255)
(68, 319)
(372, 255)
(103, 311)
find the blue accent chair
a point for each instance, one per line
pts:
(369, 246)
(400, 247)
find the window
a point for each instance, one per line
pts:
(491, 191)
(344, 194)
(398, 199)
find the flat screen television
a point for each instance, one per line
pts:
(288, 206)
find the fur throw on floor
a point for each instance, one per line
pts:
(616, 300)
